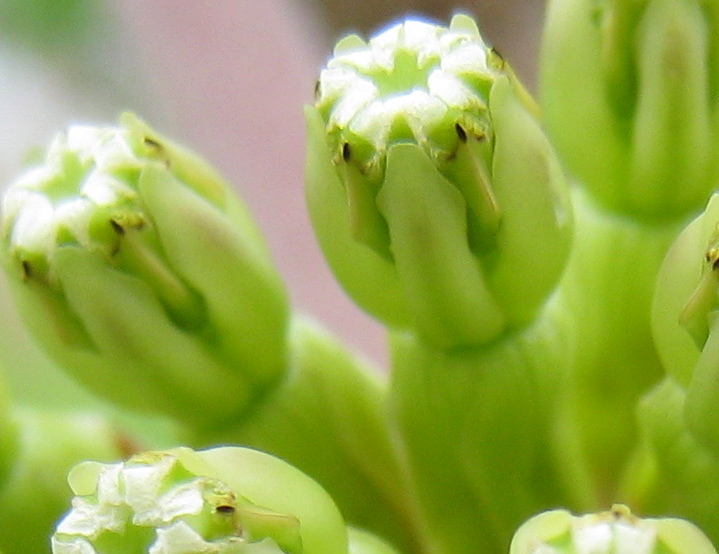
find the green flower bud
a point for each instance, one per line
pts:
(685, 324)
(139, 271)
(615, 531)
(629, 92)
(431, 186)
(223, 500)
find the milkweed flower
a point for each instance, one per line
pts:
(140, 272)
(614, 531)
(221, 500)
(433, 191)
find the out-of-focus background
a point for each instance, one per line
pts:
(228, 78)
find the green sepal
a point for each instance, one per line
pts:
(545, 527)
(469, 169)
(245, 301)
(184, 164)
(138, 357)
(535, 234)
(443, 282)
(274, 484)
(369, 278)
(366, 223)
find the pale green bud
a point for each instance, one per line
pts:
(433, 191)
(629, 93)
(143, 275)
(614, 532)
(223, 500)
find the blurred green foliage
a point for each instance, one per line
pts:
(48, 24)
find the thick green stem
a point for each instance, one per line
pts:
(476, 424)
(607, 292)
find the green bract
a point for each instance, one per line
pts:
(222, 500)
(630, 93)
(433, 191)
(613, 532)
(143, 275)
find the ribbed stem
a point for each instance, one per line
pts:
(607, 292)
(477, 428)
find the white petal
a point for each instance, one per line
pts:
(73, 546)
(180, 538)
